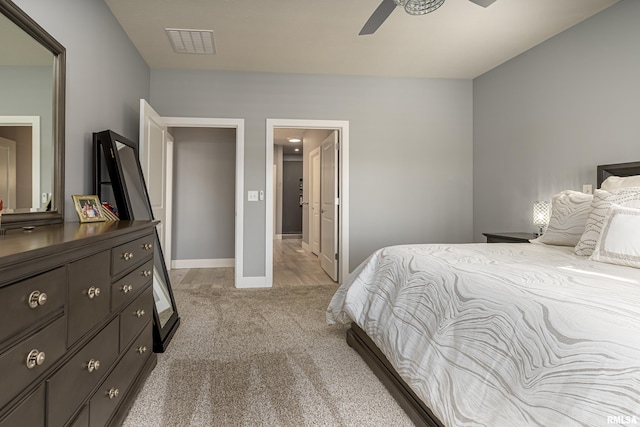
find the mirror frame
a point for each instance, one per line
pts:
(56, 215)
(106, 154)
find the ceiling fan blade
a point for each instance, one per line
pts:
(378, 17)
(483, 3)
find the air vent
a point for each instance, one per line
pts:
(191, 41)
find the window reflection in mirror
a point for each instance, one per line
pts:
(26, 121)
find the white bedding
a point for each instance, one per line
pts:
(503, 334)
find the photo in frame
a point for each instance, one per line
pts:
(89, 208)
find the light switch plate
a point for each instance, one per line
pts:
(252, 196)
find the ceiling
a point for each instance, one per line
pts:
(459, 40)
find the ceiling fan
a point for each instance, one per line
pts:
(413, 7)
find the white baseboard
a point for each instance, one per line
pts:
(202, 263)
(252, 282)
(306, 247)
(277, 237)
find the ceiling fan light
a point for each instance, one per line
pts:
(419, 7)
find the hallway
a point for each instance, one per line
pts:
(292, 266)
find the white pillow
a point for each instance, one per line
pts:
(619, 241)
(569, 212)
(602, 201)
(617, 182)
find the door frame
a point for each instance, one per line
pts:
(342, 126)
(237, 124)
(34, 122)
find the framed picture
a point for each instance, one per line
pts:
(88, 208)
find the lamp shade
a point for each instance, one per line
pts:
(541, 214)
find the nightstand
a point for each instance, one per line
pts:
(509, 237)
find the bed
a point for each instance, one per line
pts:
(510, 334)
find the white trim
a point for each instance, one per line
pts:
(306, 247)
(343, 170)
(253, 282)
(203, 263)
(238, 125)
(34, 122)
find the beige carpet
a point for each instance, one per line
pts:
(260, 358)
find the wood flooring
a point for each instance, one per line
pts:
(292, 266)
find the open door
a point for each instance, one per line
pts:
(329, 205)
(156, 157)
(314, 201)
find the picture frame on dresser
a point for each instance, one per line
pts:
(118, 179)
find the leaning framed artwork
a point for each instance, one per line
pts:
(88, 208)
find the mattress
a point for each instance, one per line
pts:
(503, 334)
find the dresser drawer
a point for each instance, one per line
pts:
(45, 347)
(30, 412)
(125, 289)
(117, 384)
(25, 303)
(82, 420)
(89, 294)
(129, 254)
(68, 387)
(135, 316)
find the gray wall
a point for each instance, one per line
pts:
(291, 192)
(106, 77)
(410, 147)
(28, 91)
(204, 167)
(544, 120)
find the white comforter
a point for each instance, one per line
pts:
(503, 334)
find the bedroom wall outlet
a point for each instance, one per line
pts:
(587, 189)
(252, 196)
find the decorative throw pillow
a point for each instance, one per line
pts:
(569, 212)
(619, 241)
(602, 201)
(617, 182)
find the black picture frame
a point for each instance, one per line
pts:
(118, 177)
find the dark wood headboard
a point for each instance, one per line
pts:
(619, 169)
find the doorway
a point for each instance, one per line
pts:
(240, 281)
(341, 202)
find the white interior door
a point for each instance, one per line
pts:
(8, 173)
(155, 158)
(314, 200)
(329, 205)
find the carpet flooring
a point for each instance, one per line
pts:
(260, 357)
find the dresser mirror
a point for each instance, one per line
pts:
(32, 87)
(119, 181)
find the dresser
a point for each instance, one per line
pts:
(76, 310)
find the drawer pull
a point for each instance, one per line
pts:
(113, 393)
(127, 256)
(37, 299)
(139, 313)
(146, 273)
(93, 365)
(93, 292)
(142, 349)
(34, 358)
(127, 288)
(147, 246)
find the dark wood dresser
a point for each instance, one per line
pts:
(76, 310)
